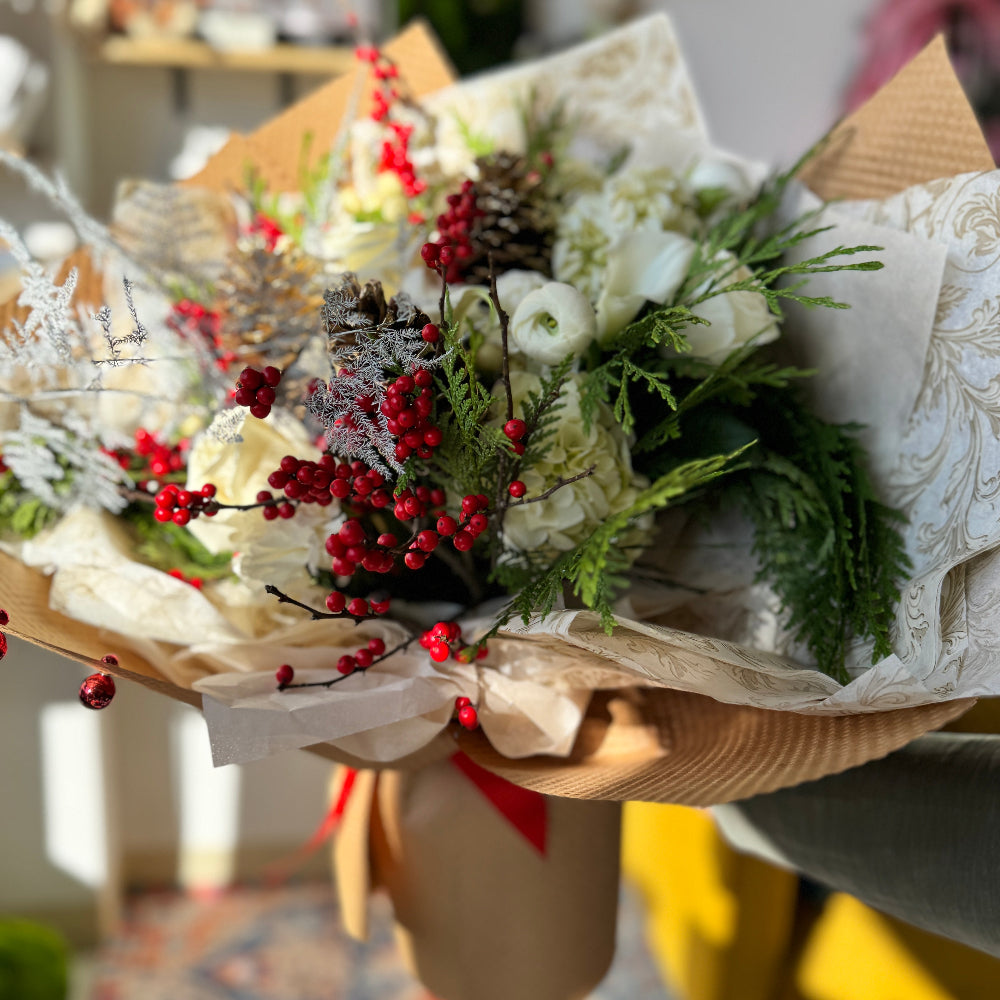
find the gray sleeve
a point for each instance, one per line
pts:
(916, 835)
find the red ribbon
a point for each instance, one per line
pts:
(526, 810)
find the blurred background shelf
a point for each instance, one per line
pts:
(188, 53)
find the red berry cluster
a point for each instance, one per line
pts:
(363, 658)
(413, 504)
(454, 243)
(445, 639)
(162, 460)
(256, 389)
(407, 408)
(322, 482)
(265, 227)
(190, 316)
(473, 522)
(395, 156)
(180, 506)
(468, 717)
(194, 581)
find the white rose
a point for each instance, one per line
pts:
(735, 317)
(551, 322)
(646, 266)
(574, 511)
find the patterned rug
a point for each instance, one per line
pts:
(257, 944)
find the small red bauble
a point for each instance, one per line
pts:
(97, 691)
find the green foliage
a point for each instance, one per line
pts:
(21, 513)
(596, 570)
(469, 450)
(33, 962)
(540, 411)
(832, 552)
(168, 546)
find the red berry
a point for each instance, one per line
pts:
(270, 513)
(381, 607)
(181, 517)
(446, 255)
(517, 489)
(482, 652)
(259, 410)
(414, 560)
(266, 395)
(208, 491)
(250, 378)
(284, 674)
(335, 602)
(430, 333)
(271, 375)
(364, 658)
(346, 664)
(427, 540)
(387, 540)
(285, 511)
(468, 717)
(377, 646)
(478, 523)
(515, 429)
(433, 436)
(430, 253)
(439, 651)
(518, 447)
(463, 541)
(97, 691)
(461, 701)
(358, 607)
(4, 617)
(447, 525)
(422, 376)
(163, 514)
(352, 532)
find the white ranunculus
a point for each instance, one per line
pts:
(551, 322)
(646, 266)
(573, 512)
(735, 317)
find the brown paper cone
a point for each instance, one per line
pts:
(481, 914)
(673, 746)
(917, 128)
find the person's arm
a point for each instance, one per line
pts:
(916, 835)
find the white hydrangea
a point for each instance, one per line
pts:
(573, 512)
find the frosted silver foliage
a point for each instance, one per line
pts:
(62, 468)
(227, 425)
(370, 341)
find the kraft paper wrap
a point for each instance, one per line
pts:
(470, 893)
(664, 746)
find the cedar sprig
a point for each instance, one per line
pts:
(831, 550)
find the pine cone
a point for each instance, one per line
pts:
(350, 309)
(511, 223)
(516, 228)
(269, 305)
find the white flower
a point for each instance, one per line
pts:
(238, 470)
(573, 512)
(583, 235)
(551, 322)
(735, 317)
(646, 266)
(650, 199)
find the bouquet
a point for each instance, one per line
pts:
(513, 424)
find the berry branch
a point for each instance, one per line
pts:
(361, 664)
(559, 484)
